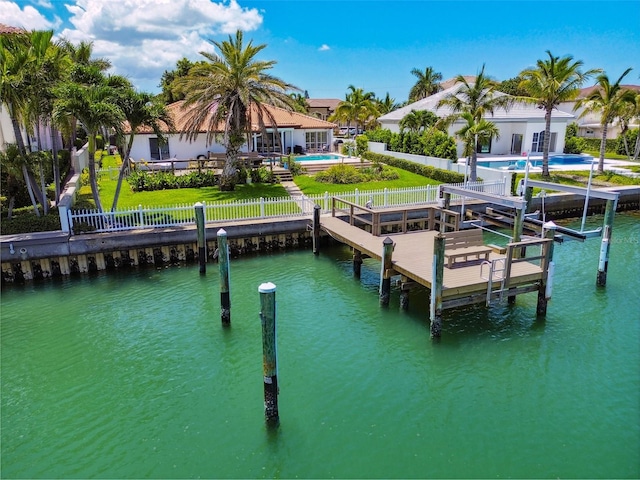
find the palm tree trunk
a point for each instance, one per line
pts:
(473, 175)
(12, 202)
(636, 150)
(93, 179)
(56, 163)
(545, 146)
(603, 144)
(25, 173)
(45, 200)
(123, 169)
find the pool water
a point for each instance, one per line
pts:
(131, 375)
(554, 160)
(316, 158)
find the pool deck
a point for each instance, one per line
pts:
(609, 164)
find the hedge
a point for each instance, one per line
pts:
(438, 174)
(146, 181)
(24, 222)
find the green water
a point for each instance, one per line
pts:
(117, 376)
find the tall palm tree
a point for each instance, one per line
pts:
(358, 107)
(418, 120)
(223, 93)
(300, 103)
(554, 80)
(140, 109)
(610, 100)
(386, 105)
(478, 99)
(94, 107)
(474, 132)
(427, 84)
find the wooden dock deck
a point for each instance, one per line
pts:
(413, 258)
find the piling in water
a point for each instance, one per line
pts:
(269, 351)
(357, 263)
(316, 229)
(202, 240)
(435, 311)
(386, 271)
(603, 260)
(223, 261)
(549, 232)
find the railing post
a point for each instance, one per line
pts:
(140, 216)
(269, 352)
(386, 197)
(261, 207)
(357, 197)
(223, 259)
(326, 201)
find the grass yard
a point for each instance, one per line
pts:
(309, 186)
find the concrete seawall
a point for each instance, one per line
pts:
(52, 254)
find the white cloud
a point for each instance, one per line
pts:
(28, 18)
(324, 48)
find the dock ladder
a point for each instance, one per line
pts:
(497, 272)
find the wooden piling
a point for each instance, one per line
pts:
(269, 351)
(435, 311)
(605, 245)
(549, 232)
(202, 241)
(404, 293)
(223, 261)
(528, 195)
(357, 263)
(316, 229)
(386, 271)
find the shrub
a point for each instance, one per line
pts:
(296, 168)
(341, 174)
(438, 174)
(25, 221)
(631, 137)
(594, 144)
(574, 145)
(262, 175)
(432, 142)
(141, 181)
(362, 145)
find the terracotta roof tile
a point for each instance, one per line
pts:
(6, 29)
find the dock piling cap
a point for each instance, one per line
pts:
(221, 232)
(267, 287)
(549, 225)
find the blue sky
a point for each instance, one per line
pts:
(324, 46)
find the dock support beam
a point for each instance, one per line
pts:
(544, 294)
(357, 263)
(386, 271)
(269, 358)
(316, 229)
(202, 241)
(603, 261)
(223, 258)
(435, 311)
(404, 296)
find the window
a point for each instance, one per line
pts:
(159, 151)
(538, 142)
(316, 141)
(269, 143)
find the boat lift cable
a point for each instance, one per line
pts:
(492, 231)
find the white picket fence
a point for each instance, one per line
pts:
(250, 209)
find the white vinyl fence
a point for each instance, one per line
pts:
(263, 208)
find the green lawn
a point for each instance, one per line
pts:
(309, 186)
(610, 155)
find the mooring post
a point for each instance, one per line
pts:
(223, 261)
(316, 229)
(269, 351)
(357, 262)
(544, 289)
(603, 261)
(437, 280)
(446, 204)
(528, 195)
(404, 293)
(202, 240)
(385, 271)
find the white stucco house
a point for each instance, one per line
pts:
(295, 132)
(521, 127)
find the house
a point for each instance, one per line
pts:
(295, 132)
(589, 126)
(521, 127)
(322, 108)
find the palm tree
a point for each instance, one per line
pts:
(551, 82)
(610, 100)
(477, 99)
(300, 103)
(474, 133)
(427, 84)
(418, 120)
(358, 107)
(140, 109)
(94, 107)
(386, 105)
(223, 93)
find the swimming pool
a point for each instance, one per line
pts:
(554, 160)
(318, 158)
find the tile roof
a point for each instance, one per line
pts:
(283, 118)
(330, 103)
(585, 92)
(6, 29)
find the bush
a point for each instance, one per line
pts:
(296, 168)
(340, 174)
(438, 174)
(362, 145)
(432, 142)
(631, 137)
(148, 181)
(594, 144)
(262, 175)
(574, 145)
(25, 221)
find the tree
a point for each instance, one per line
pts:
(300, 103)
(554, 80)
(223, 93)
(427, 84)
(358, 107)
(171, 91)
(474, 133)
(386, 105)
(512, 87)
(478, 100)
(140, 109)
(418, 121)
(94, 106)
(610, 100)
